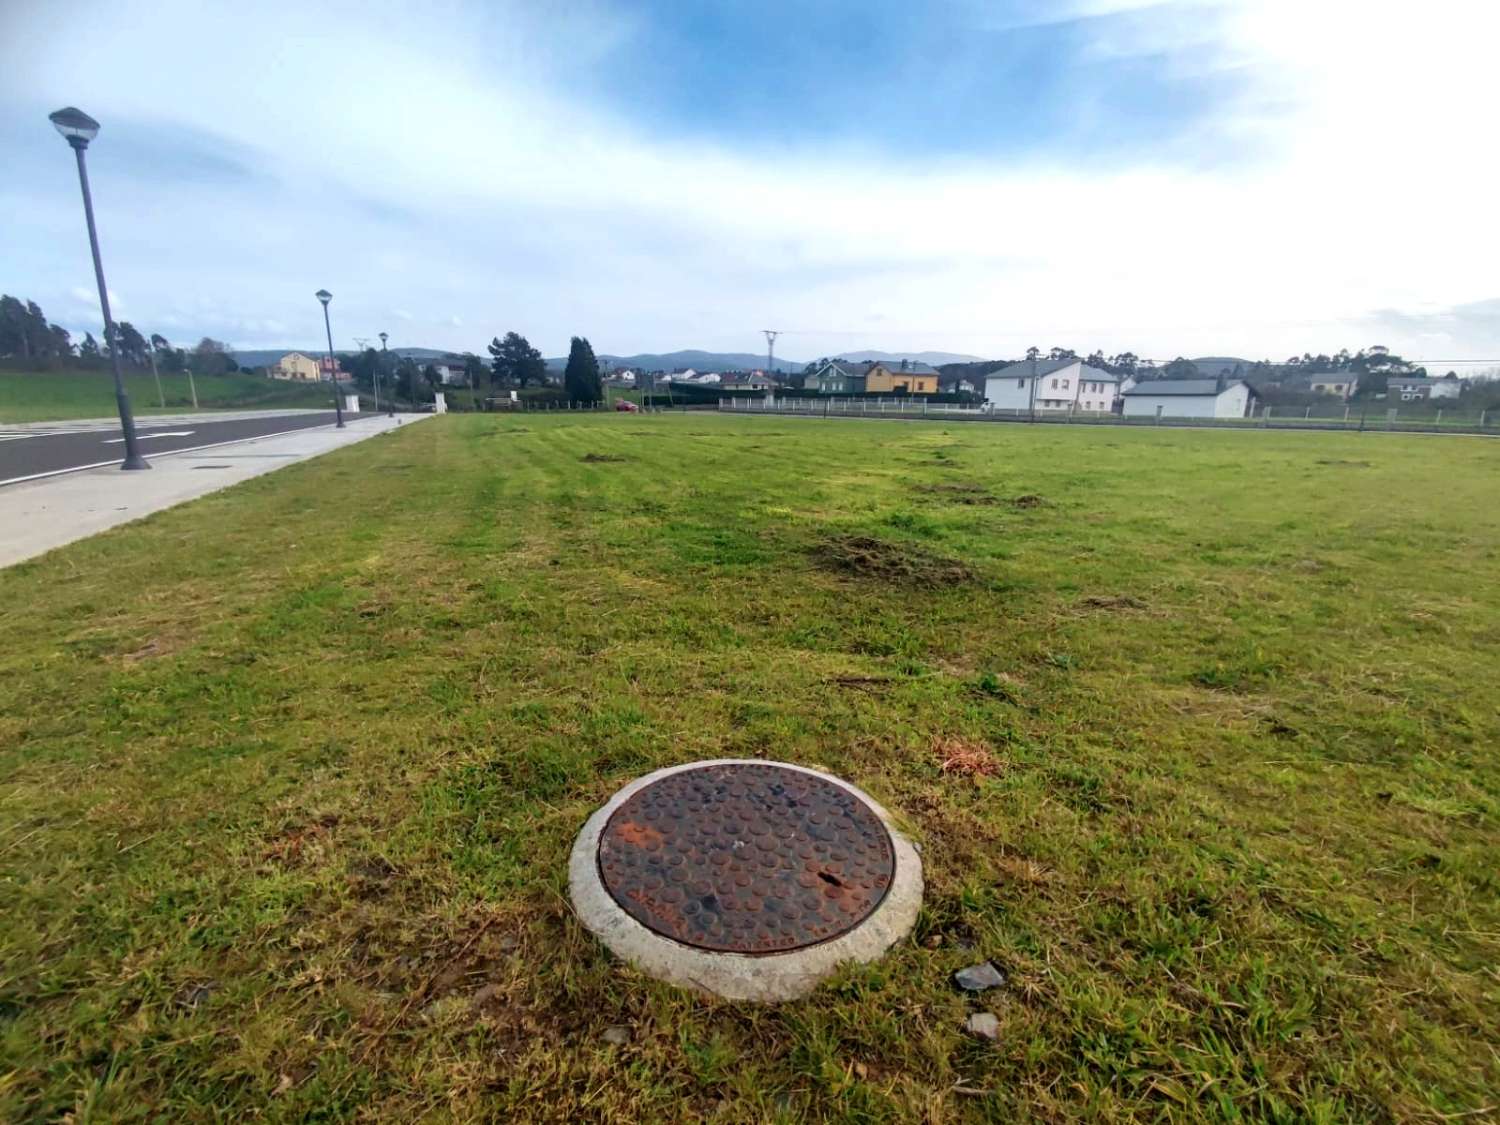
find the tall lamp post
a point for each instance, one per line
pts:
(390, 399)
(333, 365)
(78, 129)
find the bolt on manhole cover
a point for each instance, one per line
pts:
(746, 858)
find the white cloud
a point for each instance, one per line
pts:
(483, 190)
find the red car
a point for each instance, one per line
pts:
(626, 405)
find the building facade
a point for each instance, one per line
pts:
(907, 377)
(295, 365)
(1190, 398)
(1053, 385)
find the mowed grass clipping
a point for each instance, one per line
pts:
(48, 396)
(1197, 733)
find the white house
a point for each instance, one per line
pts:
(1189, 398)
(1414, 389)
(1052, 385)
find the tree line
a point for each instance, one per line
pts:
(28, 339)
(514, 363)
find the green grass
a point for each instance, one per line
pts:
(289, 775)
(50, 396)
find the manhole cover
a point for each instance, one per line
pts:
(746, 858)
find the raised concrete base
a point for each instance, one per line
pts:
(738, 976)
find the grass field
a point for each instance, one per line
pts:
(290, 773)
(51, 396)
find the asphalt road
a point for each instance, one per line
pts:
(25, 454)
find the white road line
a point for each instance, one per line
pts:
(163, 453)
(143, 437)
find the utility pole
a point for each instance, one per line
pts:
(161, 399)
(771, 335)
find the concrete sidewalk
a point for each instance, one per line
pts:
(38, 516)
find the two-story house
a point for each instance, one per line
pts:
(907, 377)
(295, 365)
(1052, 385)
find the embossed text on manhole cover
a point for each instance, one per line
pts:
(746, 858)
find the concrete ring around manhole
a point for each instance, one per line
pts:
(743, 878)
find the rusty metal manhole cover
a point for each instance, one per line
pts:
(746, 858)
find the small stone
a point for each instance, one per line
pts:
(617, 1036)
(983, 1025)
(977, 978)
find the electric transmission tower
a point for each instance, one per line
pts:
(771, 335)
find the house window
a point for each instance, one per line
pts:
(1065, 384)
(1020, 382)
(1054, 384)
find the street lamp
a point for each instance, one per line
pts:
(333, 366)
(390, 399)
(78, 129)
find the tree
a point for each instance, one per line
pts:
(1062, 353)
(1181, 368)
(62, 341)
(1033, 352)
(516, 361)
(131, 343)
(581, 377)
(211, 357)
(473, 370)
(362, 367)
(89, 349)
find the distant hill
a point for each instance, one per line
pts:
(698, 361)
(935, 359)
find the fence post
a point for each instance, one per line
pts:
(1307, 414)
(1439, 420)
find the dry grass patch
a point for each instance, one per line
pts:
(965, 757)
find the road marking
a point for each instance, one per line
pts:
(169, 433)
(164, 453)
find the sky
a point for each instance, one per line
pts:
(976, 176)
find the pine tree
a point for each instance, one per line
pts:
(581, 378)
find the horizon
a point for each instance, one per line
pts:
(1195, 178)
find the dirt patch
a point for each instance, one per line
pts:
(965, 757)
(959, 493)
(865, 556)
(288, 847)
(600, 458)
(1029, 500)
(1350, 464)
(155, 647)
(1112, 601)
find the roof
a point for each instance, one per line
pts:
(1184, 387)
(910, 367)
(1024, 370)
(1410, 380)
(845, 367)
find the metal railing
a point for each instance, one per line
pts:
(1374, 417)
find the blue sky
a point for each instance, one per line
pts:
(1204, 177)
(903, 81)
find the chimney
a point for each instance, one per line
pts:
(903, 365)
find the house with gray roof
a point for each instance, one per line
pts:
(1052, 386)
(838, 377)
(1190, 398)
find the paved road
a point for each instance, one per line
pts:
(28, 453)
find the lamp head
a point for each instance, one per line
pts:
(77, 127)
(324, 296)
